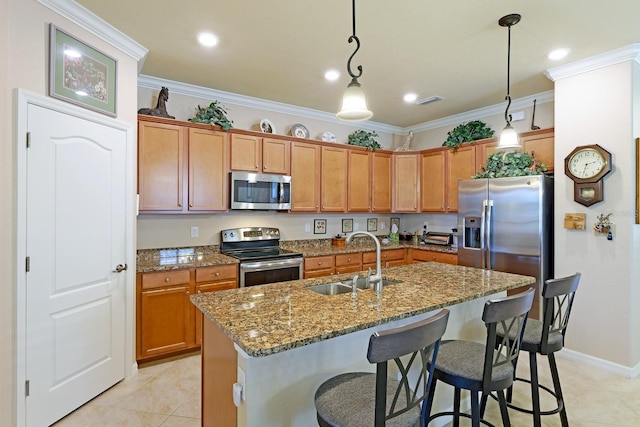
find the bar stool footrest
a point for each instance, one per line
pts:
(453, 414)
(530, 411)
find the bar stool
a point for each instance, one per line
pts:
(478, 367)
(371, 399)
(546, 338)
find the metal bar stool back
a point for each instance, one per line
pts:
(371, 399)
(546, 338)
(483, 368)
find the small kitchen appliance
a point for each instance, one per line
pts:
(261, 259)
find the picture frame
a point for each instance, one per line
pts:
(319, 226)
(372, 224)
(81, 74)
(347, 225)
(395, 221)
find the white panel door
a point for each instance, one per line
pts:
(75, 236)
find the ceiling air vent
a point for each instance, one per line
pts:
(429, 100)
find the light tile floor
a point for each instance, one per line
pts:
(167, 394)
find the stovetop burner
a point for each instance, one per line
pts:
(254, 244)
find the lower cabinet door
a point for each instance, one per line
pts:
(166, 321)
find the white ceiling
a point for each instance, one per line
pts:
(279, 50)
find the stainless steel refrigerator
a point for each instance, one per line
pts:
(506, 224)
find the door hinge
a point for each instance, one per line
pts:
(26, 388)
(27, 264)
(28, 139)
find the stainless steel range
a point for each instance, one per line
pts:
(261, 259)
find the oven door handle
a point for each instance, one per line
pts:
(270, 265)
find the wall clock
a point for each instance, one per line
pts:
(586, 165)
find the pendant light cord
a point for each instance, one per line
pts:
(354, 78)
(508, 97)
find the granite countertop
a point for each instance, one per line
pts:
(269, 319)
(150, 260)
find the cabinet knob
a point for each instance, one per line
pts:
(348, 259)
(319, 262)
(190, 205)
(187, 292)
(217, 273)
(166, 279)
(264, 167)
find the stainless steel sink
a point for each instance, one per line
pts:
(337, 288)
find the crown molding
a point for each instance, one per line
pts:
(623, 54)
(97, 26)
(541, 98)
(150, 82)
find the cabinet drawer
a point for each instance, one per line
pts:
(348, 259)
(165, 278)
(388, 255)
(219, 272)
(318, 263)
(447, 258)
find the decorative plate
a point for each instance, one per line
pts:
(266, 126)
(328, 137)
(299, 131)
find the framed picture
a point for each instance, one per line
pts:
(81, 74)
(347, 225)
(372, 224)
(395, 221)
(319, 226)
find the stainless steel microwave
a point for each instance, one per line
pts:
(260, 191)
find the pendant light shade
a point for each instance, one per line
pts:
(508, 137)
(354, 104)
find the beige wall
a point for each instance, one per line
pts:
(595, 107)
(24, 47)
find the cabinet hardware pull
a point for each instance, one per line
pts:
(166, 279)
(187, 292)
(217, 274)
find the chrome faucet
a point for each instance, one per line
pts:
(376, 278)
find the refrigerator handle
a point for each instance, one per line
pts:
(488, 247)
(483, 222)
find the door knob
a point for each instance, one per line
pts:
(120, 268)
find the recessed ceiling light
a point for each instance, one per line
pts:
(410, 97)
(207, 39)
(558, 53)
(332, 75)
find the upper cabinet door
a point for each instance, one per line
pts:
(305, 177)
(432, 181)
(540, 143)
(359, 181)
(160, 166)
(462, 165)
(381, 182)
(246, 153)
(208, 171)
(406, 178)
(333, 178)
(276, 156)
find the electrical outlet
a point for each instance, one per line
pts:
(307, 227)
(426, 224)
(356, 226)
(382, 225)
(195, 231)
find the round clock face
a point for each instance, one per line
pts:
(586, 163)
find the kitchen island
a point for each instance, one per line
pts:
(279, 342)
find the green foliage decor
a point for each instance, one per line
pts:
(467, 132)
(215, 114)
(363, 138)
(501, 165)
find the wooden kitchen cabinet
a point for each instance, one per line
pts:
(433, 189)
(388, 258)
(406, 178)
(359, 181)
(305, 177)
(167, 323)
(318, 266)
(348, 263)
(380, 182)
(484, 148)
(418, 255)
(540, 143)
(255, 154)
(181, 169)
(333, 179)
(211, 279)
(165, 314)
(461, 165)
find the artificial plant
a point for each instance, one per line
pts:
(511, 164)
(363, 138)
(215, 114)
(467, 132)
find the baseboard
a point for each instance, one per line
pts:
(614, 368)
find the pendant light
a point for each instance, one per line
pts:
(354, 105)
(508, 137)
